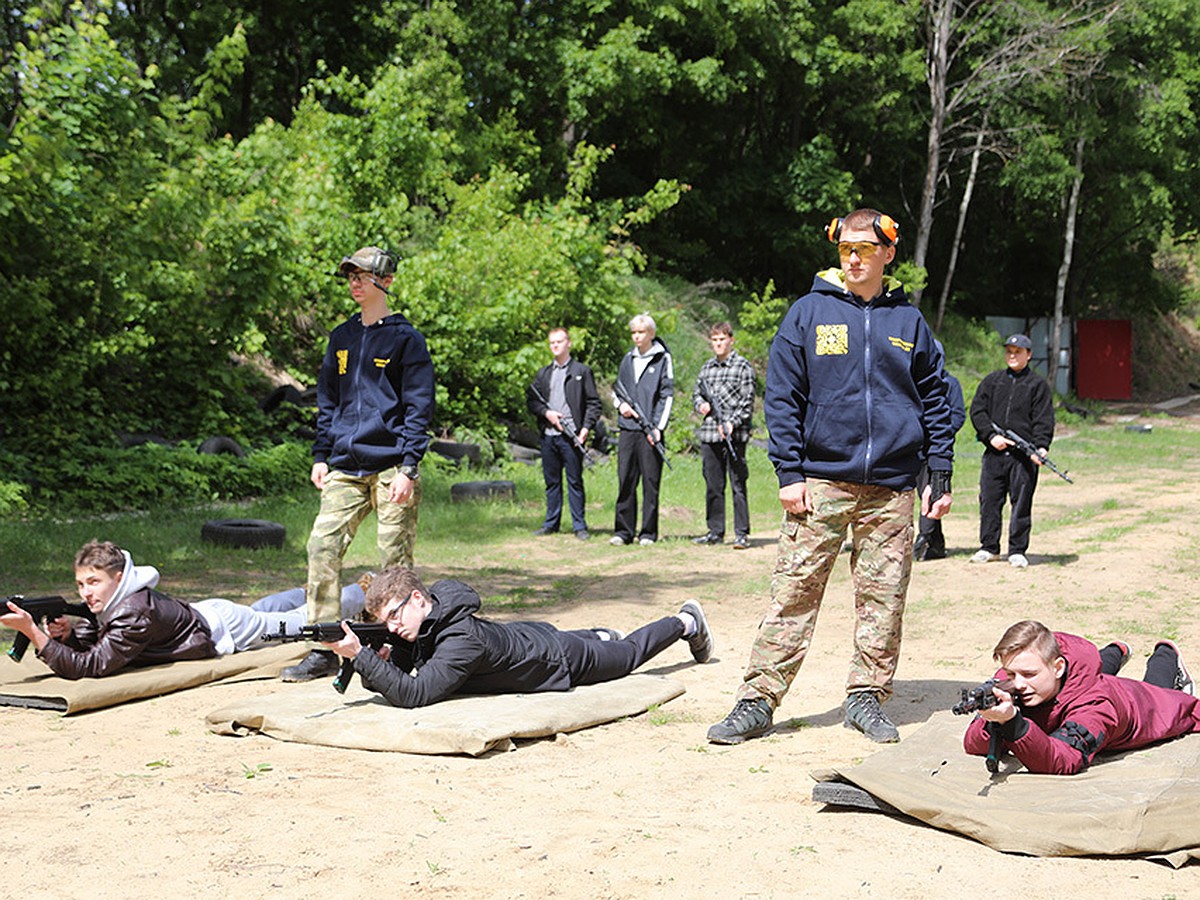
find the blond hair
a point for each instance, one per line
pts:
(1027, 635)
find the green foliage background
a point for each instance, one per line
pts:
(177, 184)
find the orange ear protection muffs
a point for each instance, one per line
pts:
(886, 228)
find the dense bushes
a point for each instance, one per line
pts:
(96, 480)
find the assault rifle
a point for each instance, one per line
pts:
(1027, 448)
(983, 697)
(568, 427)
(980, 697)
(41, 608)
(717, 413)
(370, 634)
(643, 420)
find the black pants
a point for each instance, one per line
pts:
(717, 465)
(592, 660)
(1006, 476)
(1161, 667)
(930, 529)
(637, 460)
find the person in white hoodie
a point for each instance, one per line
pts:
(136, 625)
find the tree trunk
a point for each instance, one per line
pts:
(1060, 289)
(936, 74)
(968, 190)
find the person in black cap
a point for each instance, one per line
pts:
(1017, 399)
(375, 396)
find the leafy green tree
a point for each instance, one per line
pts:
(116, 319)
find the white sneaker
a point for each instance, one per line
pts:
(985, 556)
(1018, 561)
(646, 542)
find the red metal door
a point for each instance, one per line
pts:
(1104, 360)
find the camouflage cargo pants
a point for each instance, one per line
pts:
(345, 502)
(880, 525)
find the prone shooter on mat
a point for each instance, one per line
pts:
(444, 648)
(126, 622)
(1059, 701)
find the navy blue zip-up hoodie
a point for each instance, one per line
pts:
(375, 396)
(457, 653)
(856, 391)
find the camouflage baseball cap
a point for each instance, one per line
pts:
(369, 259)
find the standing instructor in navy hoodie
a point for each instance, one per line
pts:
(855, 401)
(375, 396)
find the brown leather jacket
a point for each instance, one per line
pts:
(142, 629)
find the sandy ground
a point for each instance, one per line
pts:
(141, 800)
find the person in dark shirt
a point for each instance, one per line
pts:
(1018, 399)
(930, 542)
(855, 402)
(646, 376)
(564, 400)
(445, 648)
(375, 397)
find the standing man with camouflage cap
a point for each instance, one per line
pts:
(375, 396)
(855, 399)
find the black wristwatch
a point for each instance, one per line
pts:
(411, 472)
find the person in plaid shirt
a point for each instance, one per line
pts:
(724, 397)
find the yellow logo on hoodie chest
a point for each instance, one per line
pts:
(833, 340)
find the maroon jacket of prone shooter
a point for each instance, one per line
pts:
(1092, 713)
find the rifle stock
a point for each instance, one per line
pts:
(41, 608)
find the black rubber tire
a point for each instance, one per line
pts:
(482, 490)
(249, 533)
(524, 454)
(221, 444)
(456, 450)
(285, 393)
(837, 793)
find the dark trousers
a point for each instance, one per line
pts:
(1006, 476)
(592, 660)
(637, 460)
(1161, 667)
(717, 466)
(560, 456)
(930, 529)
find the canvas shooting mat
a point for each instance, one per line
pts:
(314, 713)
(1140, 802)
(30, 684)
